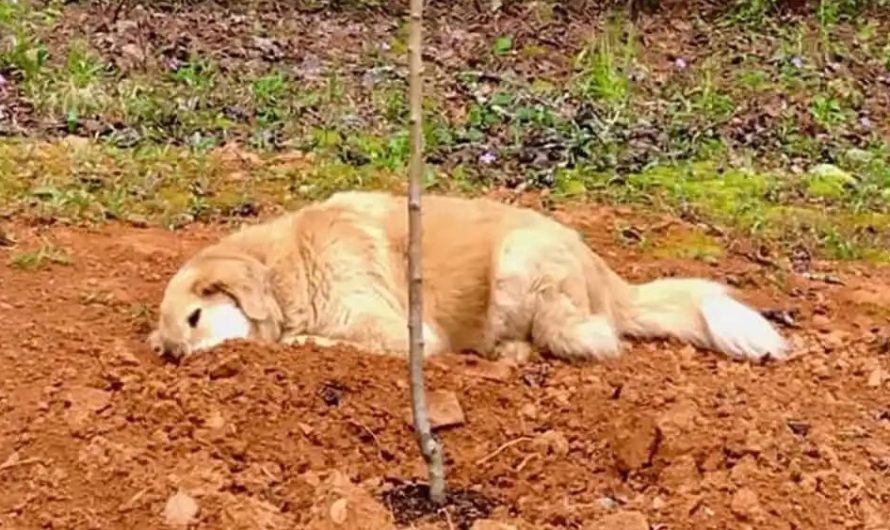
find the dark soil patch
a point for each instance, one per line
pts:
(410, 502)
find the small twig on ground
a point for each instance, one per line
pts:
(823, 277)
(525, 461)
(15, 462)
(133, 500)
(502, 448)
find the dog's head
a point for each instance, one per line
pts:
(214, 298)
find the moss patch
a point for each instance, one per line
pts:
(687, 245)
(77, 180)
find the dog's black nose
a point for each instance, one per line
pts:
(172, 349)
(164, 347)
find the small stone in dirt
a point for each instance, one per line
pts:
(675, 427)
(340, 504)
(529, 411)
(608, 503)
(137, 221)
(876, 378)
(553, 442)
(181, 509)
(492, 370)
(798, 427)
(745, 504)
(215, 420)
(745, 471)
(228, 367)
(681, 475)
(311, 478)
(88, 398)
(444, 410)
(491, 524)
(625, 520)
(305, 428)
(84, 401)
(338, 511)
(634, 442)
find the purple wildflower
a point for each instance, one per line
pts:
(797, 61)
(680, 63)
(487, 158)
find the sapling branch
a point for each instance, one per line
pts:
(429, 445)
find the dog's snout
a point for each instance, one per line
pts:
(173, 349)
(154, 342)
(165, 347)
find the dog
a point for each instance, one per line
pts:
(498, 280)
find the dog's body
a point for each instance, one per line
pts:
(497, 280)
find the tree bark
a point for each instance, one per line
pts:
(429, 445)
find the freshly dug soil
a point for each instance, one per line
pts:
(95, 432)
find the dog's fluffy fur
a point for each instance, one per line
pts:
(497, 280)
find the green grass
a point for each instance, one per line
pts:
(92, 182)
(752, 12)
(687, 245)
(40, 258)
(603, 67)
(819, 207)
(622, 127)
(22, 49)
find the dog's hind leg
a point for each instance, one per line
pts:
(565, 330)
(540, 290)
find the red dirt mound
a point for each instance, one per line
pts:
(97, 433)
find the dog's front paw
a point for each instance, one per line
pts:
(302, 340)
(515, 351)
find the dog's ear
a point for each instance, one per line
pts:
(245, 279)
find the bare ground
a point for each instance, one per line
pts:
(97, 433)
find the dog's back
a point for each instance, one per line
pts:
(460, 239)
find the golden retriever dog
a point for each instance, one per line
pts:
(498, 280)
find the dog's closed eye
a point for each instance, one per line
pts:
(194, 318)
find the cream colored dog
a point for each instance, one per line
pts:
(497, 280)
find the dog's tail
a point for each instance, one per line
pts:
(700, 312)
